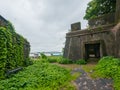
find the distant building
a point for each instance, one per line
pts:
(53, 53)
(34, 55)
(37, 54)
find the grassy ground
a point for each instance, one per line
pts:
(68, 66)
(39, 76)
(88, 68)
(106, 67)
(43, 75)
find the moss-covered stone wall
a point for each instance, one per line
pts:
(14, 48)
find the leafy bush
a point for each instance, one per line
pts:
(52, 59)
(43, 56)
(116, 79)
(81, 61)
(109, 67)
(58, 59)
(64, 61)
(39, 76)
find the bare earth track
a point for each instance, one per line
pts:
(84, 82)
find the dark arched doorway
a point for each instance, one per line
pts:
(92, 50)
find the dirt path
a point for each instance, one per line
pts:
(84, 82)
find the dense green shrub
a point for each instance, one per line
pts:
(43, 56)
(81, 62)
(14, 49)
(64, 61)
(3, 51)
(51, 59)
(39, 76)
(116, 79)
(109, 67)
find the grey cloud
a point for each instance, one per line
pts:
(44, 22)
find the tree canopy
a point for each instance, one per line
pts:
(99, 7)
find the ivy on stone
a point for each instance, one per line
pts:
(14, 49)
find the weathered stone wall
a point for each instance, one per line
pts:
(116, 32)
(74, 48)
(75, 42)
(117, 14)
(104, 30)
(66, 49)
(118, 43)
(3, 22)
(26, 49)
(102, 20)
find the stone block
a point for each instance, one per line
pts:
(76, 26)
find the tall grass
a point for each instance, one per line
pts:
(39, 76)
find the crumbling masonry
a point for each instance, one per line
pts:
(102, 38)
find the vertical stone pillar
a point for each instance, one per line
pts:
(117, 14)
(116, 29)
(66, 49)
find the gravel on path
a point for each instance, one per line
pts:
(86, 83)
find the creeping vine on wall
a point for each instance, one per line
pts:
(14, 49)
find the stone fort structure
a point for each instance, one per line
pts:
(102, 38)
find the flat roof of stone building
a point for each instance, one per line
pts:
(100, 29)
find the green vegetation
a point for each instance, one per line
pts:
(60, 60)
(14, 50)
(88, 68)
(40, 76)
(43, 56)
(81, 61)
(53, 59)
(99, 7)
(109, 67)
(64, 61)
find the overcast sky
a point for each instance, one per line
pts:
(44, 22)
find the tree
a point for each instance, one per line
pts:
(99, 7)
